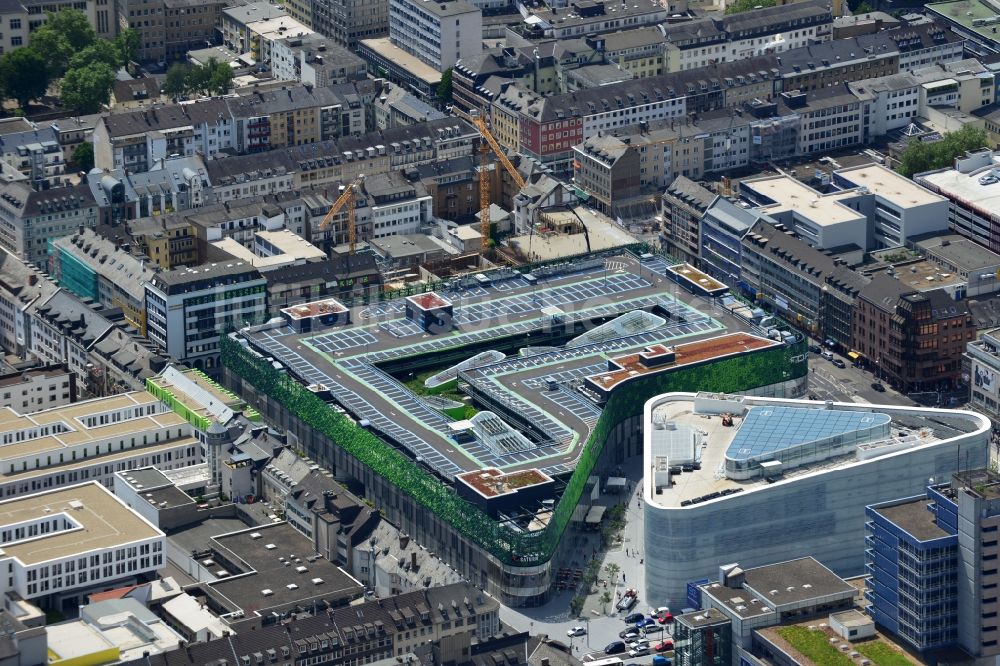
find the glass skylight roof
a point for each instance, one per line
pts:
(766, 431)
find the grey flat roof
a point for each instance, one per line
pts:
(914, 518)
(795, 581)
(960, 251)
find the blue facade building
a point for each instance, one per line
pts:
(932, 561)
(722, 227)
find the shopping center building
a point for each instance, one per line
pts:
(775, 479)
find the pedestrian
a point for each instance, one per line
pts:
(623, 577)
(641, 561)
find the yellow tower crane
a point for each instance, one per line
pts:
(347, 198)
(479, 120)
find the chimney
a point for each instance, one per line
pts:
(413, 560)
(80, 229)
(32, 279)
(403, 540)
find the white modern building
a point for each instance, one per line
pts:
(59, 545)
(783, 479)
(438, 32)
(891, 102)
(873, 208)
(90, 441)
(187, 309)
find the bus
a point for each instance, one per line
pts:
(610, 661)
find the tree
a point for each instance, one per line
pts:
(220, 78)
(85, 89)
(921, 156)
(23, 75)
(83, 156)
(605, 599)
(127, 43)
(740, 6)
(102, 51)
(613, 571)
(176, 81)
(445, 87)
(63, 35)
(576, 604)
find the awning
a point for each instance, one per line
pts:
(853, 355)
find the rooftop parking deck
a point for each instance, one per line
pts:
(512, 313)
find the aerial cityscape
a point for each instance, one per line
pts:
(500, 333)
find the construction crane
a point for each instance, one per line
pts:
(347, 198)
(479, 120)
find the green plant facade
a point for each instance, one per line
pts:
(730, 375)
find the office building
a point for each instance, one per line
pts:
(720, 234)
(90, 441)
(693, 44)
(347, 22)
(703, 638)
(315, 60)
(59, 545)
(932, 566)
(872, 208)
(437, 33)
(187, 309)
(786, 464)
(805, 285)
(168, 29)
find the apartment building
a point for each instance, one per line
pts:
(931, 561)
(315, 60)
(435, 621)
(37, 388)
(21, 286)
(436, 33)
(706, 41)
(236, 23)
(289, 116)
(64, 328)
(639, 51)
(580, 19)
(34, 152)
(20, 18)
(682, 207)
(168, 241)
(188, 308)
(29, 218)
(95, 268)
(168, 29)
(91, 440)
(59, 545)
(259, 174)
(915, 340)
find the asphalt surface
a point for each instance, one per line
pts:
(849, 384)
